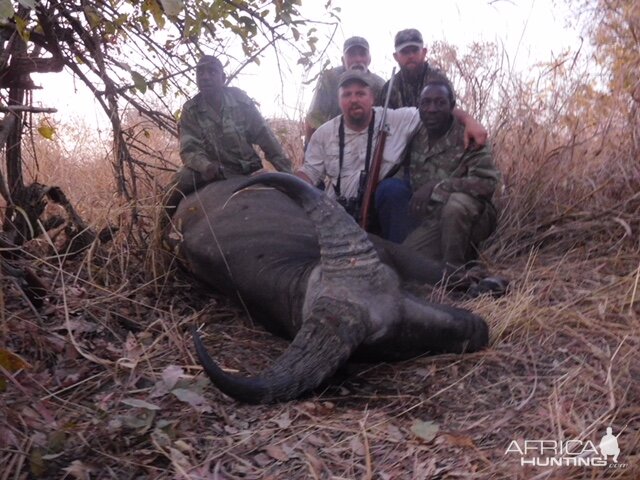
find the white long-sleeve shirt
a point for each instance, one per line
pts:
(321, 161)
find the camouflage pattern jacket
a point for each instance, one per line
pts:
(228, 137)
(404, 92)
(325, 105)
(471, 172)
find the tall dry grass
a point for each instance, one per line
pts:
(562, 362)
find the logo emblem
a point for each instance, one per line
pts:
(609, 445)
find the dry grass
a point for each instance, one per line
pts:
(562, 365)
(563, 361)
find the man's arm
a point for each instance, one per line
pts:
(260, 134)
(308, 131)
(474, 132)
(479, 179)
(313, 168)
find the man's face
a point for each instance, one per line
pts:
(356, 103)
(210, 78)
(410, 58)
(357, 58)
(435, 108)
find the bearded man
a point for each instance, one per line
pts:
(343, 164)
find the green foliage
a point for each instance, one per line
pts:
(123, 49)
(137, 43)
(46, 130)
(21, 27)
(139, 81)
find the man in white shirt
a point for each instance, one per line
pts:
(341, 150)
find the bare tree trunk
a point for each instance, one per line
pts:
(14, 145)
(16, 226)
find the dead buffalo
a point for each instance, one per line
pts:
(305, 269)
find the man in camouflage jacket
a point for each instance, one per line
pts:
(452, 186)
(411, 56)
(218, 128)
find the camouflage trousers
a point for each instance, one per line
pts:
(452, 232)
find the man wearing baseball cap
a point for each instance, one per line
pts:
(324, 105)
(415, 71)
(340, 151)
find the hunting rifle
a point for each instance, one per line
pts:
(376, 163)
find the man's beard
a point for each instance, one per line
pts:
(412, 73)
(359, 120)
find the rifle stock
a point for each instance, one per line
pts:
(372, 180)
(376, 162)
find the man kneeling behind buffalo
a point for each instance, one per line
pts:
(218, 130)
(450, 206)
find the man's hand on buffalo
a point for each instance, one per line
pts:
(259, 172)
(212, 172)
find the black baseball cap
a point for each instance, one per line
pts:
(408, 38)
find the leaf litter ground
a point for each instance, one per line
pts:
(113, 390)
